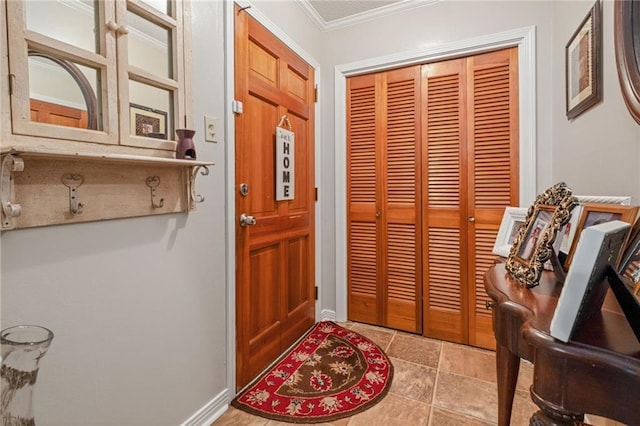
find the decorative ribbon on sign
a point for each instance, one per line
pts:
(285, 164)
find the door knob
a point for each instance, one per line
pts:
(471, 219)
(245, 220)
(378, 214)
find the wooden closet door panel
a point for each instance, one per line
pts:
(444, 202)
(492, 81)
(401, 239)
(362, 229)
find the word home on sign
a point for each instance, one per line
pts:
(285, 164)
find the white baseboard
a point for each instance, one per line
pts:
(211, 411)
(327, 315)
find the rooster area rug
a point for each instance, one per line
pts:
(331, 373)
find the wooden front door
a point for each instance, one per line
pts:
(275, 297)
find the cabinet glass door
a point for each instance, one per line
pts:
(150, 81)
(62, 73)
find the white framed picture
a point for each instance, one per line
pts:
(512, 219)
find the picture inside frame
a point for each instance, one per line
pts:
(594, 214)
(630, 266)
(512, 219)
(534, 233)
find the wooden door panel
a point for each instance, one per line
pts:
(47, 112)
(363, 261)
(401, 277)
(444, 175)
(263, 65)
(275, 298)
(362, 257)
(493, 164)
(480, 321)
(303, 196)
(383, 133)
(264, 323)
(444, 313)
(297, 271)
(401, 239)
(260, 164)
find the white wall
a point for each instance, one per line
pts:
(597, 152)
(138, 306)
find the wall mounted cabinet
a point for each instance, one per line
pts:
(98, 95)
(130, 55)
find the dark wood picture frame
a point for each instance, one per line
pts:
(583, 64)
(626, 24)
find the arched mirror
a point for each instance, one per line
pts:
(627, 42)
(60, 92)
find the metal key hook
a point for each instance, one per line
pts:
(153, 182)
(73, 181)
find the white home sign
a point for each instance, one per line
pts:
(285, 164)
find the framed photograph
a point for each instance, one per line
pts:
(594, 214)
(564, 241)
(583, 61)
(630, 266)
(627, 297)
(512, 220)
(533, 245)
(149, 122)
(600, 199)
(584, 289)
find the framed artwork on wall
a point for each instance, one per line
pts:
(583, 62)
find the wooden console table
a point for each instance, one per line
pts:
(598, 372)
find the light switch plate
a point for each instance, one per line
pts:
(210, 128)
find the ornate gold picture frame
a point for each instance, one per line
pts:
(534, 244)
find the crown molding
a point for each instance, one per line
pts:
(361, 17)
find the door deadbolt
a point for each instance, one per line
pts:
(244, 189)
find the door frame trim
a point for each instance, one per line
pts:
(522, 38)
(230, 169)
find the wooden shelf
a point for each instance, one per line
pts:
(42, 187)
(105, 158)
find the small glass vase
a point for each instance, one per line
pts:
(23, 347)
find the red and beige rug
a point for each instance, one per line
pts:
(332, 373)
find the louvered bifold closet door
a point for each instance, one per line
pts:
(444, 202)
(492, 81)
(383, 197)
(362, 236)
(400, 213)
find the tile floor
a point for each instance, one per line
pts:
(435, 383)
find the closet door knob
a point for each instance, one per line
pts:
(471, 219)
(378, 214)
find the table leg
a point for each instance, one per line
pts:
(508, 366)
(553, 415)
